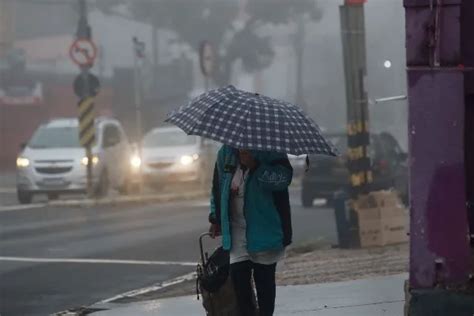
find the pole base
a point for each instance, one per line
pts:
(438, 302)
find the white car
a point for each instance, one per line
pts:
(53, 162)
(169, 155)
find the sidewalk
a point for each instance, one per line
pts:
(374, 296)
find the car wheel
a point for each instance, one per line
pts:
(53, 196)
(24, 197)
(102, 188)
(306, 199)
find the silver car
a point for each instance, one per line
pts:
(53, 162)
(169, 155)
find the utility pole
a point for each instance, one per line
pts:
(84, 32)
(358, 139)
(7, 15)
(83, 52)
(355, 66)
(138, 57)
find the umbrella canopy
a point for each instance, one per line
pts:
(248, 120)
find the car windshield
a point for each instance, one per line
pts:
(55, 137)
(168, 139)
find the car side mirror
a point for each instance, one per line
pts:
(23, 145)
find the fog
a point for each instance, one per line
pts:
(99, 196)
(257, 48)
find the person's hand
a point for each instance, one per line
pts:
(214, 230)
(246, 159)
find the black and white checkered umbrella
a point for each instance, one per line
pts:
(247, 120)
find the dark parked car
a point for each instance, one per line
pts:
(327, 175)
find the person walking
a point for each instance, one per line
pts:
(250, 208)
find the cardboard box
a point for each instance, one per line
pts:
(383, 231)
(370, 233)
(380, 213)
(378, 199)
(382, 219)
(386, 198)
(395, 230)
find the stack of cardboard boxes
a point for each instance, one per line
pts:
(383, 220)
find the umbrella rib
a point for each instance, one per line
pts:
(245, 119)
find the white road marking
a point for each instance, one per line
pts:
(145, 290)
(203, 203)
(11, 208)
(164, 199)
(96, 261)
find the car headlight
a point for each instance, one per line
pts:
(186, 160)
(85, 160)
(135, 162)
(22, 162)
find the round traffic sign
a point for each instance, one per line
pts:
(83, 52)
(93, 85)
(207, 58)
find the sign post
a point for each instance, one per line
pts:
(83, 53)
(207, 58)
(207, 61)
(138, 56)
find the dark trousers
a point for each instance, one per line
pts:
(264, 277)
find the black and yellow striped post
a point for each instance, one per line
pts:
(86, 90)
(358, 155)
(358, 137)
(87, 135)
(355, 69)
(86, 122)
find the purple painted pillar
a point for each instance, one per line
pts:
(439, 233)
(467, 44)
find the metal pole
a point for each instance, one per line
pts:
(7, 15)
(84, 31)
(355, 66)
(300, 35)
(155, 49)
(138, 106)
(388, 99)
(206, 83)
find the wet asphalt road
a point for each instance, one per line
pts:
(154, 232)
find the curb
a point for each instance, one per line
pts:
(108, 304)
(159, 286)
(130, 199)
(168, 197)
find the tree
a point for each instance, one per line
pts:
(213, 20)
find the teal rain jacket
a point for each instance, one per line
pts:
(266, 201)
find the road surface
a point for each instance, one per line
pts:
(54, 258)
